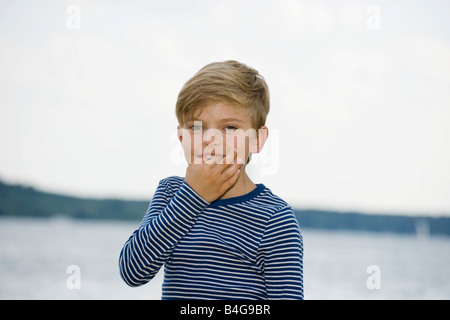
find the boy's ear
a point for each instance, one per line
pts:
(179, 133)
(261, 138)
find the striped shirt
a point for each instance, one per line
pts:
(246, 247)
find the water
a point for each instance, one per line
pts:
(35, 255)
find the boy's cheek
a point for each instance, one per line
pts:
(188, 148)
(240, 141)
(239, 144)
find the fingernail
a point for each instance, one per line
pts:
(239, 160)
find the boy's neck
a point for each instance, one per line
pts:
(242, 186)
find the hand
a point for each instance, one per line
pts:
(211, 181)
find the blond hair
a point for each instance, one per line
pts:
(230, 82)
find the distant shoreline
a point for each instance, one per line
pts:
(21, 201)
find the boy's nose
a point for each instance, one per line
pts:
(212, 136)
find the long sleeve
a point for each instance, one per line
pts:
(281, 256)
(169, 217)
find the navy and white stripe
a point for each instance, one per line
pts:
(247, 247)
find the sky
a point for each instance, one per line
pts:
(360, 106)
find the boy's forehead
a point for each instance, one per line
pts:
(219, 112)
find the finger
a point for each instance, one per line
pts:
(233, 157)
(211, 161)
(229, 158)
(231, 176)
(231, 170)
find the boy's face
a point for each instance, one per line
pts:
(217, 130)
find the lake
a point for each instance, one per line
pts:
(73, 259)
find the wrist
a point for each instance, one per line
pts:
(204, 197)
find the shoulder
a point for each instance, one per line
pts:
(282, 229)
(277, 208)
(268, 207)
(271, 202)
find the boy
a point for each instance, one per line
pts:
(219, 235)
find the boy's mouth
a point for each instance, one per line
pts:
(209, 156)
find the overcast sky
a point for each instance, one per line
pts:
(360, 99)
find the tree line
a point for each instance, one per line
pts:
(18, 200)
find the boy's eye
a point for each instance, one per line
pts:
(230, 128)
(196, 128)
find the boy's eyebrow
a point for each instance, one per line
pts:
(231, 119)
(220, 120)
